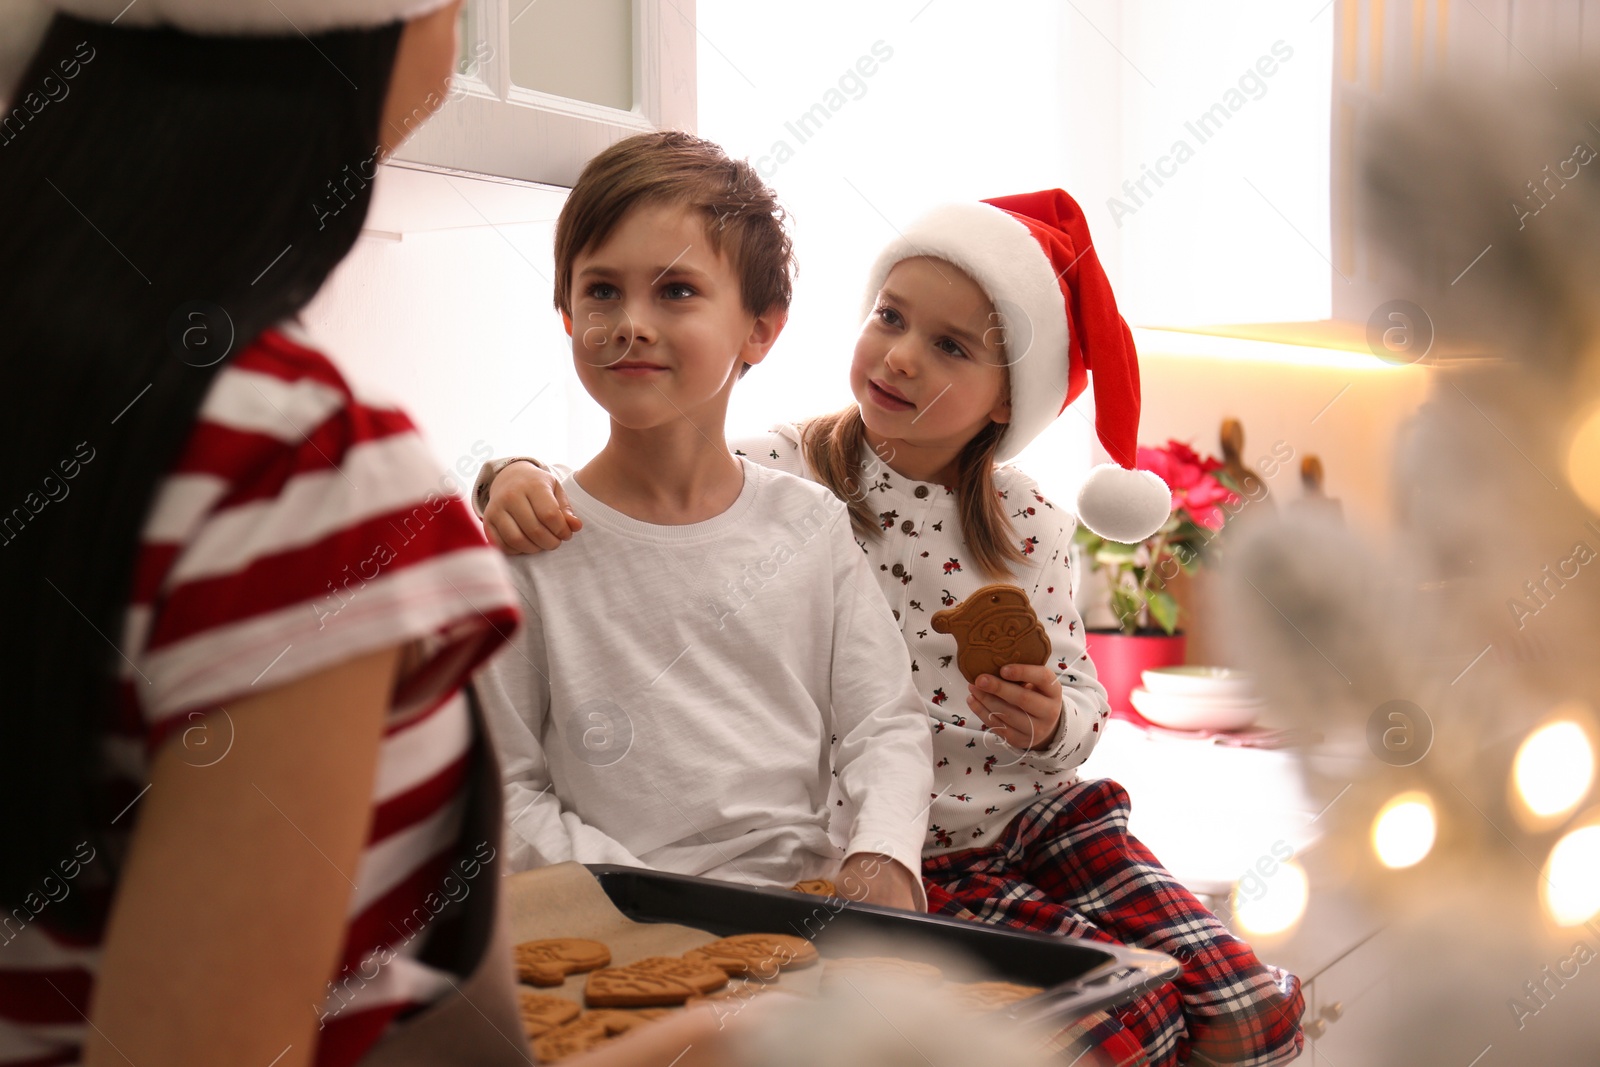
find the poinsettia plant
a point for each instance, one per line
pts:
(1137, 575)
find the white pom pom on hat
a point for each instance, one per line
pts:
(1126, 505)
(23, 22)
(1032, 255)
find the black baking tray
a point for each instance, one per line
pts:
(1078, 976)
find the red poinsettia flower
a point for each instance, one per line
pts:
(1188, 475)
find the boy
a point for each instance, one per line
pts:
(672, 699)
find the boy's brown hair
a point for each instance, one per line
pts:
(742, 215)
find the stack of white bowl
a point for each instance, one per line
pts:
(1198, 698)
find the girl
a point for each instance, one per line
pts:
(249, 813)
(982, 321)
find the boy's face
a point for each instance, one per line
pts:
(930, 364)
(658, 327)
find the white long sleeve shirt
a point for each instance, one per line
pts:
(677, 692)
(922, 564)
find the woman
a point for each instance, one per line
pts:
(244, 789)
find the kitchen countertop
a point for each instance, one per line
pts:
(1209, 812)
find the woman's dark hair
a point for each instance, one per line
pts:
(163, 199)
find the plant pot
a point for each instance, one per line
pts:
(1119, 660)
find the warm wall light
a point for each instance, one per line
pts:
(1554, 768)
(1279, 907)
(1162, 342)
(1583, 460)
(1570, 882)
(1404, 829)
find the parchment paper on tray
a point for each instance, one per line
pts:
(565, 900)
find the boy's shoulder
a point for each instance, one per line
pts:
(786, 490)
(779, 500)
(776, 448)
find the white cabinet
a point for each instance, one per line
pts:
(543, 85)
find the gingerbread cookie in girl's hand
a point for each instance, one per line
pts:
(1002, 649)
(994, 627)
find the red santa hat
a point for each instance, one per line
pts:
(1031, 254)
(23, 22)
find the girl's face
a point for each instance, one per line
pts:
(930, 367)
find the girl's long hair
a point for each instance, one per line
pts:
(833, 449)
(163, 199)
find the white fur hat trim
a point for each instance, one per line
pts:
(1005, 259)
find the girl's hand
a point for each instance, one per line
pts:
(1022, 706)
(527, 511)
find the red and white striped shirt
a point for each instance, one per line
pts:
(301, 527)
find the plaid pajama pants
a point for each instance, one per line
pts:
(1067, 865)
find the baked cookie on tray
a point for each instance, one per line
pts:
(542, 1012)
(587, 1031)
(548, 961)
(890, 968)
(987, 996)
(652, 981)
(762, 954)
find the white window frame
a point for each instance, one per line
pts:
(493, 127)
